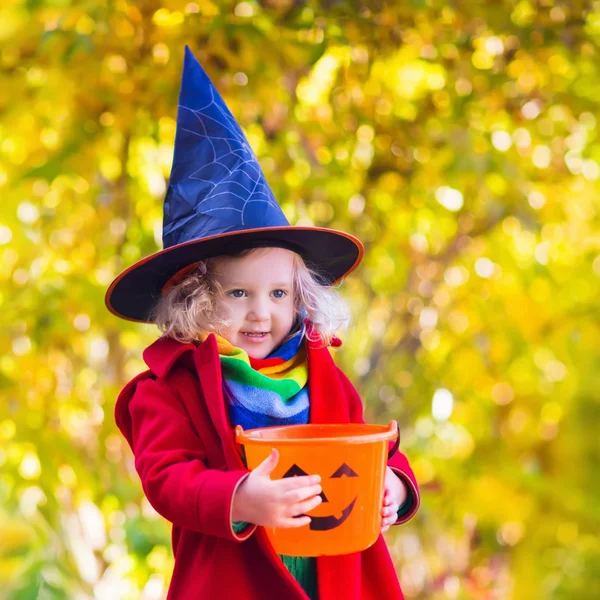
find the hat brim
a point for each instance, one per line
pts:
(134, 293)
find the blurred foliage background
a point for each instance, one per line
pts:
(458, 140)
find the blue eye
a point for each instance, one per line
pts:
(236, 293)
(279, 294)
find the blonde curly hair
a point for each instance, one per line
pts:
(187, 311)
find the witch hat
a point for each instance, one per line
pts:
(218, 202)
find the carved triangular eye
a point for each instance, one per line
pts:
(345, 470)
(294, 471)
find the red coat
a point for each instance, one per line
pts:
(175, 420)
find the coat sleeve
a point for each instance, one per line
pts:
(398, 463)
(170, 460)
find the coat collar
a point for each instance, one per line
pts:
(324, 386)
(208, 367)
(325, 390)
(164, 353)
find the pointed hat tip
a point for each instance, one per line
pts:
(195, 84)
(188, 56)
(192, 66)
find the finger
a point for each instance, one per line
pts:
(266, 466)
(293, 522)
(301, 493)
(299, 481)
(306, 506)
(387, 522)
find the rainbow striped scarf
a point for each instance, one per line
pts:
(269, 391)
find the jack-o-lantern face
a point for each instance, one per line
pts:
(330, 521)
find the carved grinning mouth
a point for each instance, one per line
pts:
(330, 522)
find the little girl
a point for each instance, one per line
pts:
(247, 314)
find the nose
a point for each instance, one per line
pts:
(259, 309)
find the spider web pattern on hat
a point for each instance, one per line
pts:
(216, 183)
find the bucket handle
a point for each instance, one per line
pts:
(394, 429)
(239, 446)
(239, 431)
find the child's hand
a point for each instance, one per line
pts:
(394, 495)
(277, 503)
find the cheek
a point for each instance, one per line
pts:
(286, 315)
(226, 310)
(229, 313)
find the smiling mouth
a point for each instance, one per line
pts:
(256, 335)
(330, 522)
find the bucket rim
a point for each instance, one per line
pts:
(382, 433)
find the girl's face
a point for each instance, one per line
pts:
(257, 299)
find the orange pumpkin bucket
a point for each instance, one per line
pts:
(351, 460)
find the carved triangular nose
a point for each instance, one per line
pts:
(323, 497)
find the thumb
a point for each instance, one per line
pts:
(266, 466)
